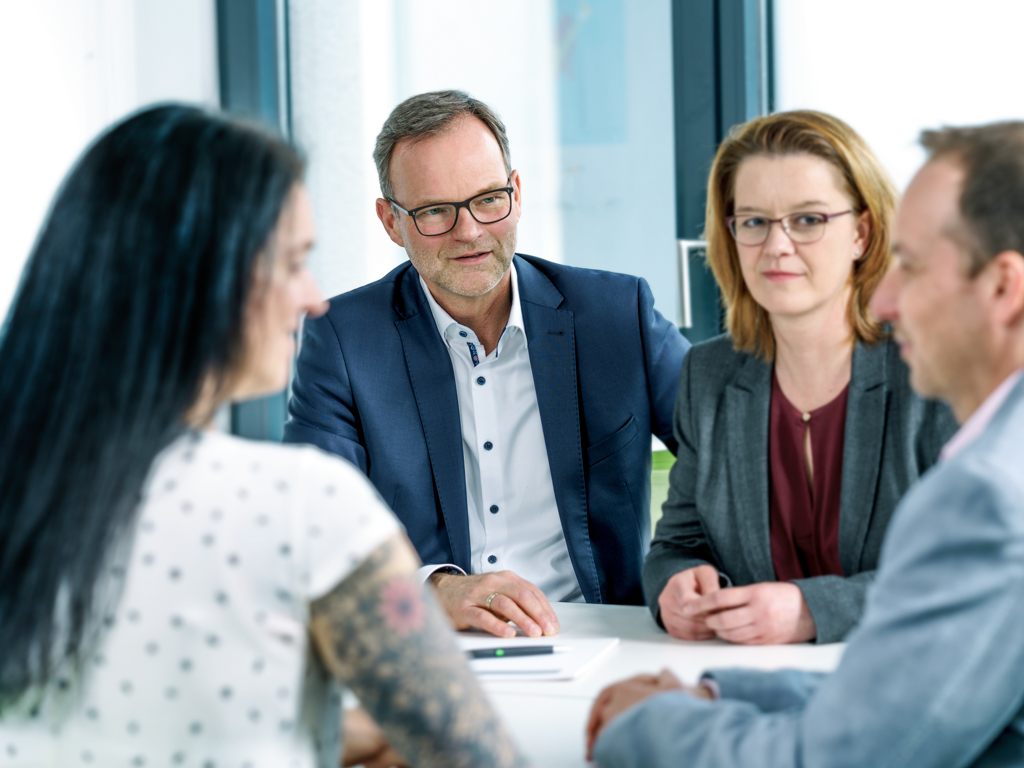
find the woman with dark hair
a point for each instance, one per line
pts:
(157, 579)
(798, 431)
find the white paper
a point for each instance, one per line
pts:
(579, 657)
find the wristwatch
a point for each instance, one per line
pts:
(449, 569)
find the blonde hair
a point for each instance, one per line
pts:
(870, 189)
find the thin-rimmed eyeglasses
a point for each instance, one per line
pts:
(802, 227)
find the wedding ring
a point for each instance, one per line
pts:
(487, 605)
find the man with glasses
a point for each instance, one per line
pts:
(934, 674)
(501, 404)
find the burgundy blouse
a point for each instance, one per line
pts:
(804, 522)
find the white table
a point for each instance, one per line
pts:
(547, 718)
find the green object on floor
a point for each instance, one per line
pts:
(661, 463)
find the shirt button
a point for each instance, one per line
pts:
(463, 334)
(488, 445)
(481, 380)
(492, 559)
(494, 509)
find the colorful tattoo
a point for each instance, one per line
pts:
(402, 607)
(384, 635)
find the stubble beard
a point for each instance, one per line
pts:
(451, 278)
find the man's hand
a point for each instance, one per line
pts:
(365, 743)
(618, 697)
(768, 613)
(514, 599)
(681, 590)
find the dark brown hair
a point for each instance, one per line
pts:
(992, 157)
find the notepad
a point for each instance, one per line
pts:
(580, 657)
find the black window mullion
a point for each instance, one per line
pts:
(722, 75)
(250, 62)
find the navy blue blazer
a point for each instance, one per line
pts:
(374, 384)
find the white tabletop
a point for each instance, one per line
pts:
(547, 718)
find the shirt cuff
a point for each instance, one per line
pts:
(712, 685)
(429, 570)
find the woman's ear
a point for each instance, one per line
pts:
(863, 235)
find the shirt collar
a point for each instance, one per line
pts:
(449, 328)
(974, 426)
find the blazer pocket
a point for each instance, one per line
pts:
(616, 441)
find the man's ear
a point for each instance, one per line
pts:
(386, 214)
(517, 194)
(1006, 277)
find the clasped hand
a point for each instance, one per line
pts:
(515, 599)
(695, 607)
(618, 697)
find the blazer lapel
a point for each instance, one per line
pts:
(433, 385)
(747, 402)
(551, 342)
(862, 450)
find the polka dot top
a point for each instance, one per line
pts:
(204, 659)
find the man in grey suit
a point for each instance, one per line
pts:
(934, 674)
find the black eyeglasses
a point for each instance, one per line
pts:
(440, 218)
(803, 227)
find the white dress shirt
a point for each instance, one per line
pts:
(513, 518)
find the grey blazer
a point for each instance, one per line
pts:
(717, 508)
(932, 677)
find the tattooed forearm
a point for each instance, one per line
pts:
(382, 634)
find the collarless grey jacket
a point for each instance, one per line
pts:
(717, 508)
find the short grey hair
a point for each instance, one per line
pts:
(427, 115)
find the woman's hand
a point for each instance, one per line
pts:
(681, 590)
(768, 613)
(618, 697)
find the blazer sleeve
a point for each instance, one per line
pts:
(836, 603)
(322, 409)
(768, 691)
(664, 350)
(930, 678)
(647, 735)
(679, 540)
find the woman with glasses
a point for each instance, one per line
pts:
(171, 595)
(798, 431)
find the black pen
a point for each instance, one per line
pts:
(516, 650)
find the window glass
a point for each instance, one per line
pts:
(70, 69)
(616, 139)
(890, 69)
(583, 86)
